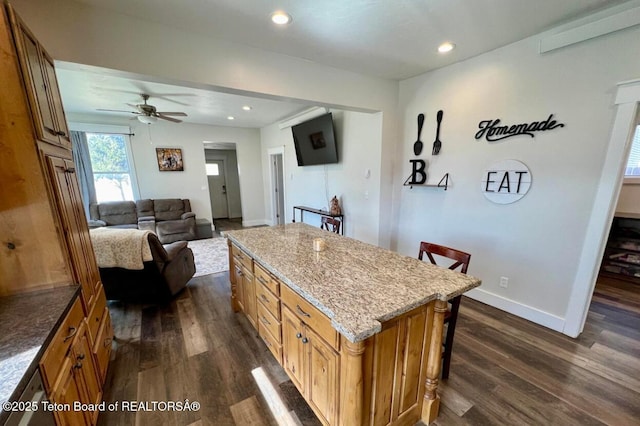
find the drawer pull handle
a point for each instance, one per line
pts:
(305, 340)
(265, 321)
(11, 246)
(298, 335)
(266, 342)
(301, 312)
(264, 298)
(262, 280)
(72, 332)
(81, 357)
(107, 342)
(78, 365)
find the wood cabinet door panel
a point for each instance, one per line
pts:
(293, 358)
(82, 357)
(250, 306)
(62, 172)
(64, 138)
(322, 390)
(40, 92)
(239, 286)
(102, 345)
(69, 390)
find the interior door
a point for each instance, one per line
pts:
(217, 189)
(278, 189)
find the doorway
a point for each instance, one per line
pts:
(603, 211)
(218, 189)
(276, 166)
(223, 180)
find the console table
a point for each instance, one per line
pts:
(318, 212)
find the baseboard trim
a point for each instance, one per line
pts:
(256, 222)
(523, 311)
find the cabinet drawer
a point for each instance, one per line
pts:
(102, 345)
(270, 341)
(242, 257)
(270, 302)
(269, 322)
(55, 353)
(310, 315)
(95, 316)
(267, 280)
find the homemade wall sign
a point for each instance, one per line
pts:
(506, 181)
(492, 131)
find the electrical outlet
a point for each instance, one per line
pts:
(504, 282)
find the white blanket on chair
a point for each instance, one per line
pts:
(122, 248)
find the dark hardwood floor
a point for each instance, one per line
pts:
(505, 370)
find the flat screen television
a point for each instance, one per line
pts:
(315, 141)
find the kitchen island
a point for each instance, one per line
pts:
(357, 328)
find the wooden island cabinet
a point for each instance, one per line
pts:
(45, 236)
(361, 342)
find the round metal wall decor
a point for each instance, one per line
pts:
(506, 181)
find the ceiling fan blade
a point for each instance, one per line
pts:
(164, 117)
(115, 110)
(181, 114)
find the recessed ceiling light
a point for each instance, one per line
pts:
(246, 108)
(231, 117)
(446, 47)
(280, 18)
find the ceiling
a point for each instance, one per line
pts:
(387, 39)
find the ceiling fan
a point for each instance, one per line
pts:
(148, 114)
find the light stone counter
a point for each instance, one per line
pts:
(357, 285)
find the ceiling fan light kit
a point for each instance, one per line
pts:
(147, 119)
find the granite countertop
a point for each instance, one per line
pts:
(27, 322)
(357, 285)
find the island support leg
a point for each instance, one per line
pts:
(351, 383)
(431, 403)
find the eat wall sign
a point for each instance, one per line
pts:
(506, 181)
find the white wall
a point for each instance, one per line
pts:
(536, 242)
(359, 149)
(192, 182)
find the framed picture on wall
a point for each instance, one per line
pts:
(169, 159)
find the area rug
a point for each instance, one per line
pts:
(211, 255)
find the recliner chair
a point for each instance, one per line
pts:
(167, 274)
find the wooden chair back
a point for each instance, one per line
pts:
(330, 224)
(461, 260)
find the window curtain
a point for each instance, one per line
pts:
(83, 169)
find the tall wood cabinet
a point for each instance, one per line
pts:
(45, 240)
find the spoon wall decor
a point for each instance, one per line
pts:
(417, 145)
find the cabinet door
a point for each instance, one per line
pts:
(74, 223)
(55, 100)
(293, 349)
(237, 271)
(69, 390)
(250, 307)
(32, 61)
(323, 364)
(82, 356)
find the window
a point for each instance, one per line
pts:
(212, 169)
(633, 163)
(112, 173)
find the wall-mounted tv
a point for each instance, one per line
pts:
(315, 141)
